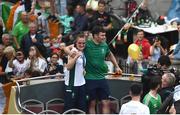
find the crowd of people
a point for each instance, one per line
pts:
(34, 46)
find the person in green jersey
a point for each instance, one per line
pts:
(96, 51)
(20, 29)
(153, 99)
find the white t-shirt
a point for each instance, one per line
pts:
(79, 79)
(20, 68)
(39, 65)
(135, 108)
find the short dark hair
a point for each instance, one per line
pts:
(154, 82)
(70, 10)
(136, 89)
(20, 50)
(97, 30)
(89, 11)
(55, 54)
(164, 60)
(102, 2)
(139, 30)
(81, 5)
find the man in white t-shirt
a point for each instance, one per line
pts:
(135, 106)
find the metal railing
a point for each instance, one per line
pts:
(18, 91)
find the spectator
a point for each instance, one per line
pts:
(75, 2)
(66, 22)
(101, 17)
(62, 59)
(47, 45)
(153, 99)
(33, 38)
(91, 18)
(156, 50)
(53, 67)
(81, 21)
(164, 62)
(176, 53)
(55, 45)
(144, 44)
(173, 11)
(3, 61)
(20, 64)
(20, 29)
(6, 40)
(135, 106)
(10, 54)
(37, 62)
(75, 94)
(167, 85)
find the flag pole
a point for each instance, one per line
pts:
(129, 19)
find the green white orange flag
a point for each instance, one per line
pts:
(3, 99)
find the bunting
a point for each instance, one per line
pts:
(9, 24)
(6, 8)
(5, 91)
(2, 98)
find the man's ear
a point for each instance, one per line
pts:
(95, 35)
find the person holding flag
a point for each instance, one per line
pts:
(143, 43)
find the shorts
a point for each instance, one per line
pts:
(97, 89)
(76, 98)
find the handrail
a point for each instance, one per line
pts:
(125, 74)
(18, 95)
(28, 110)
(74, 110)
(40, 77)
(27, 79)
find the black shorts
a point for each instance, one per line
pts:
(76, 98)
(97, 89)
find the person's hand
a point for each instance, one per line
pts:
(31, 54)
(118, 71)
(34, 40)
(171, 56)
(155, 44)
(140, 56)
(72, 54)
(127, 26)
(158, 45)
(78, 54)
(17, 47)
